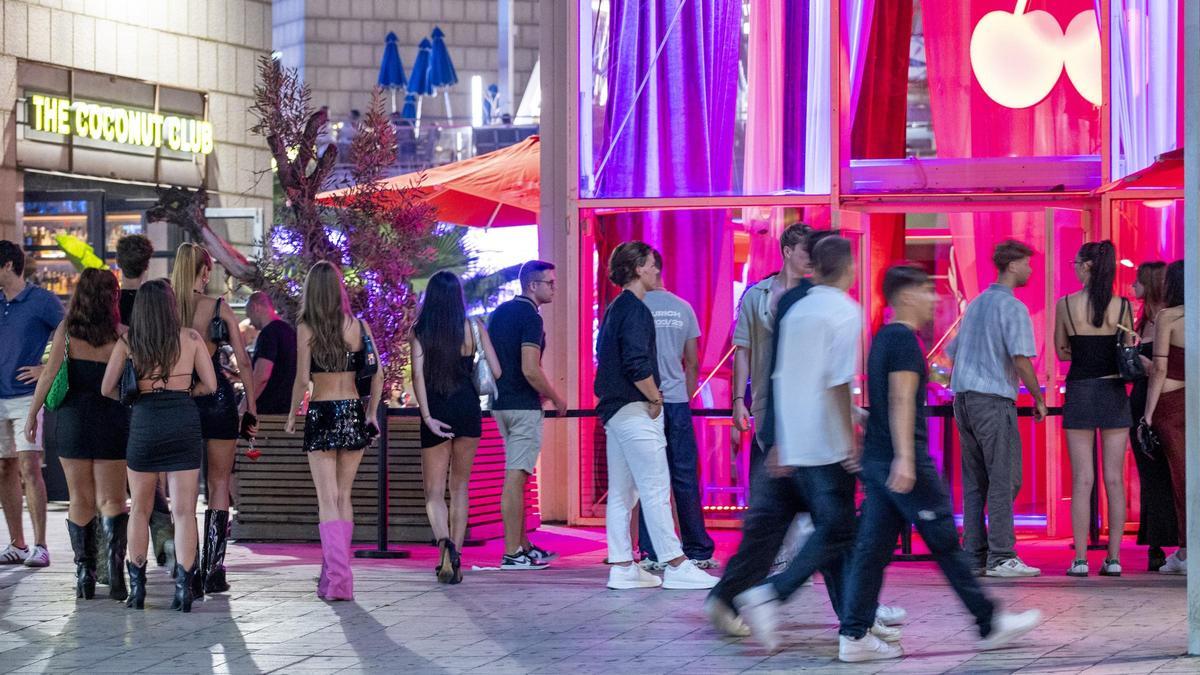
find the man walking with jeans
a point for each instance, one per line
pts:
(519, 339)
(677, 334)
(992, 352)
(903, 487)
(28, 316)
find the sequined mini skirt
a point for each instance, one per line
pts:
(335, 425)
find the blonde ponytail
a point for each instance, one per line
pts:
(190, 260)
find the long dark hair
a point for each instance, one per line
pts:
(154, 330)
(324, 309)
(440, 330)
(95, 309)
(1153, 277)
(1103, 257)
(1173, 296)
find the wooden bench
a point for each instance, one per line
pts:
(276, 500)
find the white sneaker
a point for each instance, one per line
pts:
(1173, 566)
(687, 577)
(12, 555)
(38, 557)
(625, 577)
(1007, 627)
(724, 619)
(759, 608)
(890, 616)
(866, 648)
(1013, 567)
(885, 632)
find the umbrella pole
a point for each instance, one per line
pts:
(393, 90)
(417, 122)
(449, 115)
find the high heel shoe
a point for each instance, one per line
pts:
(445, 568)
(116, 533)
(83, 543)
(183, 588)
(455, 563)
(137, 585)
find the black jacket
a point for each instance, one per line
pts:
(625, 354)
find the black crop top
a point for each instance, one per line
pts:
(354, 362)
(1092, 356)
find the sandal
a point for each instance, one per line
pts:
(1111, 568)
(445, 571)
(1079, 568)
(456, 576)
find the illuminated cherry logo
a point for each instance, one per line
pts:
(1018, 57)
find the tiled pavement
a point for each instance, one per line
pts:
(561, 620)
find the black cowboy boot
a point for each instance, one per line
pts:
(215, 539)
(101, 561)
(115, 532)
(162, 534)
(183, 588)
(83, 543)
(137, 585)
(203, 554)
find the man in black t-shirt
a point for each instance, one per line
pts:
(133, 259)
(274, 356)
(903, 487)
(519, 339)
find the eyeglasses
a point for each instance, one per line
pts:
(543, 281)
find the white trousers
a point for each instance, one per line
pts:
(637, 467)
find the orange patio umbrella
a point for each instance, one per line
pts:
(493, 190)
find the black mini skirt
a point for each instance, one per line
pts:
(219, 410)
(335, 425)
(1096, 404)
(164, 433)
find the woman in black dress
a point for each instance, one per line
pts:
(444, 345)
(215, 322)
(332, 348)
(164, 430)
(91, 430)
(1156, 522)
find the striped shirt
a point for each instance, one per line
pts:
(995, 328)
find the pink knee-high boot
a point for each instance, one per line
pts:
(346, 591)
(337, 564)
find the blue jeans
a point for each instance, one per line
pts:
(828, 493)
(885, 513)
(683, 463)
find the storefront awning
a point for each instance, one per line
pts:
(1166, 173)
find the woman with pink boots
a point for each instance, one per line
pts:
(334, 352)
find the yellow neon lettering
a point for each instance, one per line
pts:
(120, 125)
(206, 136)
(38, 102)
(108, 114)
(81, 120)
(156, 122)
(171, 131)
(63, 115)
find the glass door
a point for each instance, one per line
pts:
(56, 224)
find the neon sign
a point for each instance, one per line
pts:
(1018, 57)
(117, 124)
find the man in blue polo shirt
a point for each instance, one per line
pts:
(28, 316)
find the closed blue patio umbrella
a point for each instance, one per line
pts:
(391, 69)
(409, 111)
(418, 80)
(442, 75)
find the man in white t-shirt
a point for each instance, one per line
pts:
(816, 445)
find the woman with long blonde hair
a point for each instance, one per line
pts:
(332, 347)
(213, 319)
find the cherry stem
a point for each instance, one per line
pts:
(1021, 5)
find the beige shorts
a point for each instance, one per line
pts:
(522, 433)
(13, 412)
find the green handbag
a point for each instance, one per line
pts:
(58, 388)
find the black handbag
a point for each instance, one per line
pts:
(218, 330)
(128, 386)
(1148, 442)
(370, 364)
(1129, 357)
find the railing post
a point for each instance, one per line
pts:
(381, 486)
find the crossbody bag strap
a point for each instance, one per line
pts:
(475, 338)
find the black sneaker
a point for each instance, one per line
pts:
(540, 554)
(521, 561)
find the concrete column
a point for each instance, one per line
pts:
(558, 242)
(504, 56)
(1191, 239)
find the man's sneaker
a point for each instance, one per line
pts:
(625, 577)
(38, 557)
(866, 648)
(1013, 567)
(885, 632)
(1007, 627)
(540, 554)
(521, 561)
(890, 616)
(759, 608)
(687, 577)
(1173, 565)
(651, 565)
(724, 619)
(12, 555)
(710, 564)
